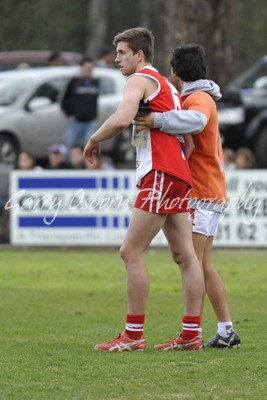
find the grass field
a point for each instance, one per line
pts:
(55, 305)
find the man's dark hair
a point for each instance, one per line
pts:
(104, 51)
(55, 55)
(189, 62)
(77, 146)
(86, 59)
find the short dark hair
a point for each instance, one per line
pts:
(55, 55)
(77, 146)
(86, 59)
(189, 62)
(104, 51)
(138, 39)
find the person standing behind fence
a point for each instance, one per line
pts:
(57, 157)
(106, 58)
(244, 159)
(27, 161)
(80, 105)
(55, 59)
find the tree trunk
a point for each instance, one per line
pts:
(96, 26)
(204, 22)
(219, 49)
(144, 15)
(172, 36)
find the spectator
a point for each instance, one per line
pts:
(26, 160)
(229, 159)
(77, 160)
(55, 60)
(106, 58)
(99, 163)
(56, 157)
(80, 105)
(244, 158)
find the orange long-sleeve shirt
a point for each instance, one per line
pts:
(206, 161)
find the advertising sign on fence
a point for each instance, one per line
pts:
(244, 221)
(93, 208)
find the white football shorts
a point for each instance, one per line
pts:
(205, 222)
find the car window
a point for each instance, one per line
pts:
(11, 89)
(50, 89)
(248, 78)
(106, 85)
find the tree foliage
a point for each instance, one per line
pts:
(232, 32)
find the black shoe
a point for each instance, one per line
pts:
(232, 341)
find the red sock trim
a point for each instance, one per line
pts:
(136, 331)
(135, 318)
(191, 325)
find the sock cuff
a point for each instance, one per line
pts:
(135, 318)
(225, 323)
(188, 319)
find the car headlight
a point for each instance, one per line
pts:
(231, 116)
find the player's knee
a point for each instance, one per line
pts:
(177, 257)
(126, 253)
(181, 258)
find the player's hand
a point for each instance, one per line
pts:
(90, 149)
(142, 122)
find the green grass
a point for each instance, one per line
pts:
(55, 305)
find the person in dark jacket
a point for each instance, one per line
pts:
(80, 105)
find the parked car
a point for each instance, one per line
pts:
(243, 112)
(34, 58)
(31, 117)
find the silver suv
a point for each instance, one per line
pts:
(31, 117)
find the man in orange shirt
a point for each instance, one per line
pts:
(208, 195)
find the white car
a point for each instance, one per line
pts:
(31, 117)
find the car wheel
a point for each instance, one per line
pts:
(124, 152)
(261, 148)
(8, 151)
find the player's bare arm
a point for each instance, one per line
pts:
(133, 92)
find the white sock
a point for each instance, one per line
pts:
(225, 328)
